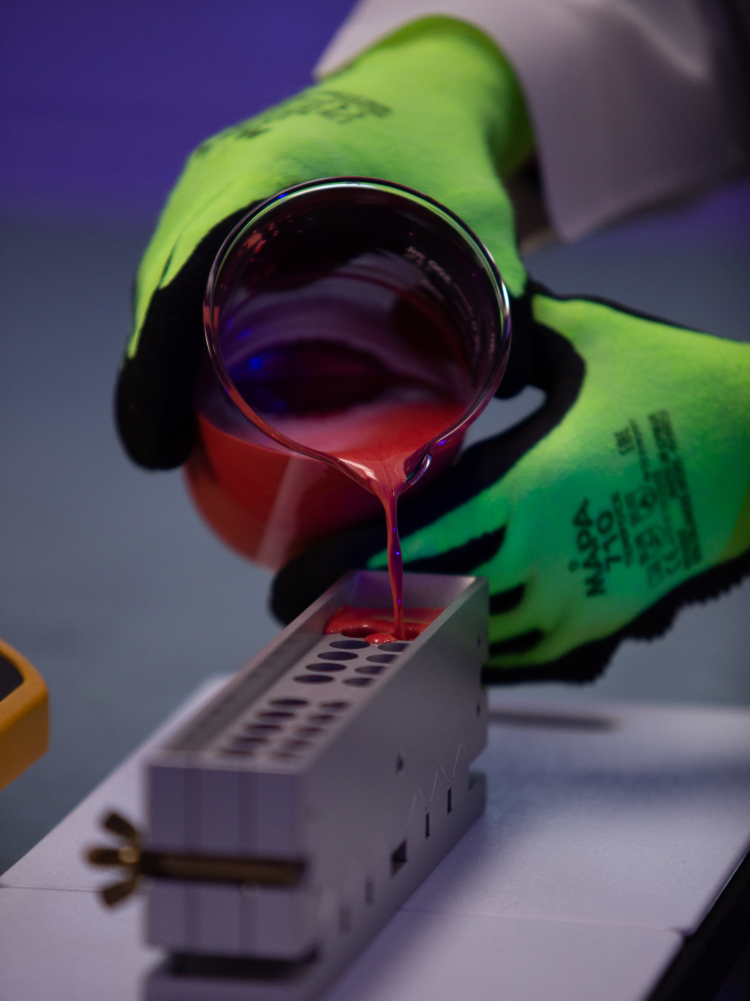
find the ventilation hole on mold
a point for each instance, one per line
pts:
(398, 858)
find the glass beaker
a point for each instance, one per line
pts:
(361, 324)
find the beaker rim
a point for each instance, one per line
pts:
(261, 210)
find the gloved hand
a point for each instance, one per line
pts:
(622, 498)
(619, 500)
(435, 107)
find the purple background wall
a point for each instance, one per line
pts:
(101, 102)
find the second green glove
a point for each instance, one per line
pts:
(623, 498)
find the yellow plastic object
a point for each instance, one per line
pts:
(24, 716)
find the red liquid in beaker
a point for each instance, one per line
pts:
(360, 323)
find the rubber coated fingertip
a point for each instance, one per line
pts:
(517, 644)
(506, 601)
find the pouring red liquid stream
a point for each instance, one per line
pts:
(378, 462)
(346, 403)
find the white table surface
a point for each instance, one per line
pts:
(610, 830)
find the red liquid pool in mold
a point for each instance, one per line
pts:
(375, 624)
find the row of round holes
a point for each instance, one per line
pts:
(376, 663)
(258, 734)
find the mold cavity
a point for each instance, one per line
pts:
(427, 825)
(450, 801)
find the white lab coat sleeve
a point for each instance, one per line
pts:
(628, 98)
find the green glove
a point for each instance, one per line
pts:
(435, 107)
(623, 498)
